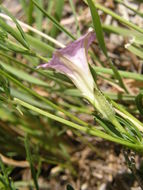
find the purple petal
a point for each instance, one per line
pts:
(75, 52)
(73, 47)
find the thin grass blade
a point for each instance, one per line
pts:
(54, 21)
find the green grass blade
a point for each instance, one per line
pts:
(124, 74)
(59, 5)
(99, 33)
(117, 17)
(50, 103)
(39, 16)
(12, 32)
(3, 169)
(88, 130)
(8, 183)
(54, 21)
(47, 74)
(44, 73)
(24, 5)
(23, 75)
(135, 50)
(29, 158)
(129, 7)
(75, 16)
(108, 130)
(25, 42)
(119, 30)
(139, 102)
(39, 46)
(97, 26)
(29, 99)
(49, 11)
(30, 8)
(128, 116)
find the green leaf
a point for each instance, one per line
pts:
(39, 16)
(97, 26)
(118, 17)
(129, 7)
(54, 21)
(88, 130)
(3, 35)
(24, 6)
(23, 75)
(23, 40)
(132, 129)
(48, 102)
(29, 158)
(128, 116)
(11, 46)
(12, 32)
(4, 83)
(57, 15)
(120, 30)
(105, 124)
(6, 115)
(69, 187)
(99, 33)
(135, 50)
(29, 99)
(5, 178)
(75, 16)
(39, 46)
(139, 102)
(138, 39)
(125, 74)
(30, 8)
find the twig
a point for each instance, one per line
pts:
(9, 161)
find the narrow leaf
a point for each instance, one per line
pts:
(99, 33)
(29, 158)
(25, 43)
(54, 21)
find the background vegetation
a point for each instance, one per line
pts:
(46, 127)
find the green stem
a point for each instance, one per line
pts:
(40, 72)
(106, 109)
(75, 16)
(129, 7)
(119, 18)
(118, 125)
(88, 130)
(127, 115)
(42, 98)
(124, 74)
(54, 21)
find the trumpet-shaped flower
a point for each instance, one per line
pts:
(72, 61)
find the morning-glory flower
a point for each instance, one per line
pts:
(73, 62)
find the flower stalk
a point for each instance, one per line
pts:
(73, 62)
